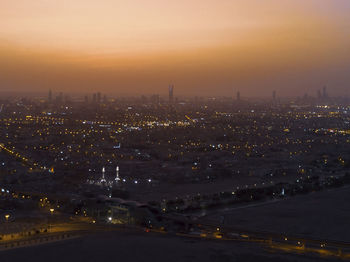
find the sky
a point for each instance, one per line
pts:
(203, 47)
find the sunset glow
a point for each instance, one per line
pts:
(136, 47)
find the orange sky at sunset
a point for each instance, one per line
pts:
(204, 47)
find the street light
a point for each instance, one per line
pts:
(50, 226)
(7, 216)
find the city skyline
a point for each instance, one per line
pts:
(188, 130)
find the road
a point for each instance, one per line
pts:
(288, 243)
(60, 232)
(217, 232)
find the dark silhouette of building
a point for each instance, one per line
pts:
(50, 96)
(155, 99)
(324, 94)
(171, 94)
(238, 96)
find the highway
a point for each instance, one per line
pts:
(287, 243)
(21, 158)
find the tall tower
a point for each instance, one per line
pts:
(324, 93)
(117, 178)
(103, 179)
(171, 94)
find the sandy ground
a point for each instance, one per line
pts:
(323, 215)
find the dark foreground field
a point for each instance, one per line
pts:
(118, 246)
(323, 215)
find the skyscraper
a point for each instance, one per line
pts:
(324, 94)
(117, 178)
(103, 178)
(171, 94)
(238, 96)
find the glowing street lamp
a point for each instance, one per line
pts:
(7, 216)
(50, 226)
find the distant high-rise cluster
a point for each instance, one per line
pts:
(322, 95)
(155, 99)
(60, 98)
(97, 98)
